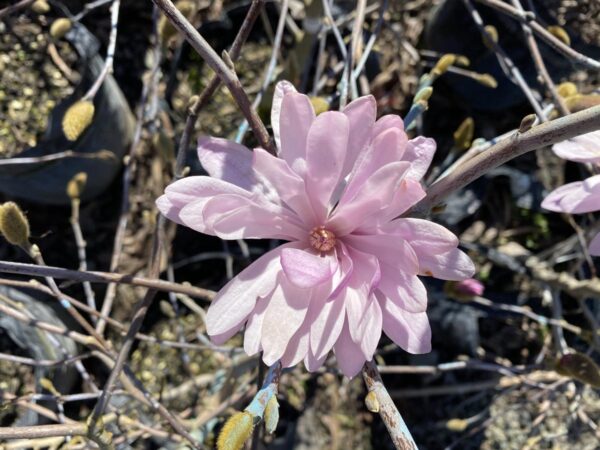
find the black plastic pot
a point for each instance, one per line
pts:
(111, 129)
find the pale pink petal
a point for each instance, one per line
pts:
(452, 265)
(385, 123)
(422, 234)
(577, 197)
(375, 196)
(289, 185)
(404, 289)
(306, 269)
(298, 346)
(584, 148)
(227, 161)
(408, 194)
(198, 189)
(595, 246)
(296, 119)
(253, 330)
(361, 115)
(231, 216)
(345, 267)
(326, 325)
(409, 331)
(349, 355)
(285, 314)
(369, 328)
(312, 363)
(325, 154)
(281, 88)
(419, 152)
(237, 299)
(390, 249)
(168, 209)
(365, 277)
(386, 148)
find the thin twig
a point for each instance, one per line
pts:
(103, 277)
(107, 69)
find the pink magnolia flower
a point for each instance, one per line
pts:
(350, 269)
(580, 196)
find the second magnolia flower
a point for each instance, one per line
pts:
(350, 268)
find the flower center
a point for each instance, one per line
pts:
(322, 239)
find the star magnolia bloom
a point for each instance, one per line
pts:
(350, 269)
(580, 196)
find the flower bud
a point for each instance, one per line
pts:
(487, 80)
(271, 414)
(491, 36)
(76, 185)
(443, 63)
(319, 104)
(463, 136)
(527, 122)
(462, 60)
(566, 89)
(40, 7)
(236, 431)
(424, 94)
(14, 225)
(559, 33)
(60, 27)
(457, 425)
(465, 289)
(371, 402)
(77, 118)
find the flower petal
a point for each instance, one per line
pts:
(281, 89)
(405, 290)
(385, 123)
(584, 148)
(375, 196)
(369, 328)
(422, 234)
(296, 119)
(406, 196)
(289, 185)
(199, 189)
(410, 331)
(392, 250)
(577, 197)
(386, 148)
(232, 216)
(452, 265)
(254, 326)
(326, 325)
(237, 299)
(298, 346)
(285, 314)
(227, 161)
(325, 154)
(419, 152)
(306, 269)
(361, 115)
(349, 355)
